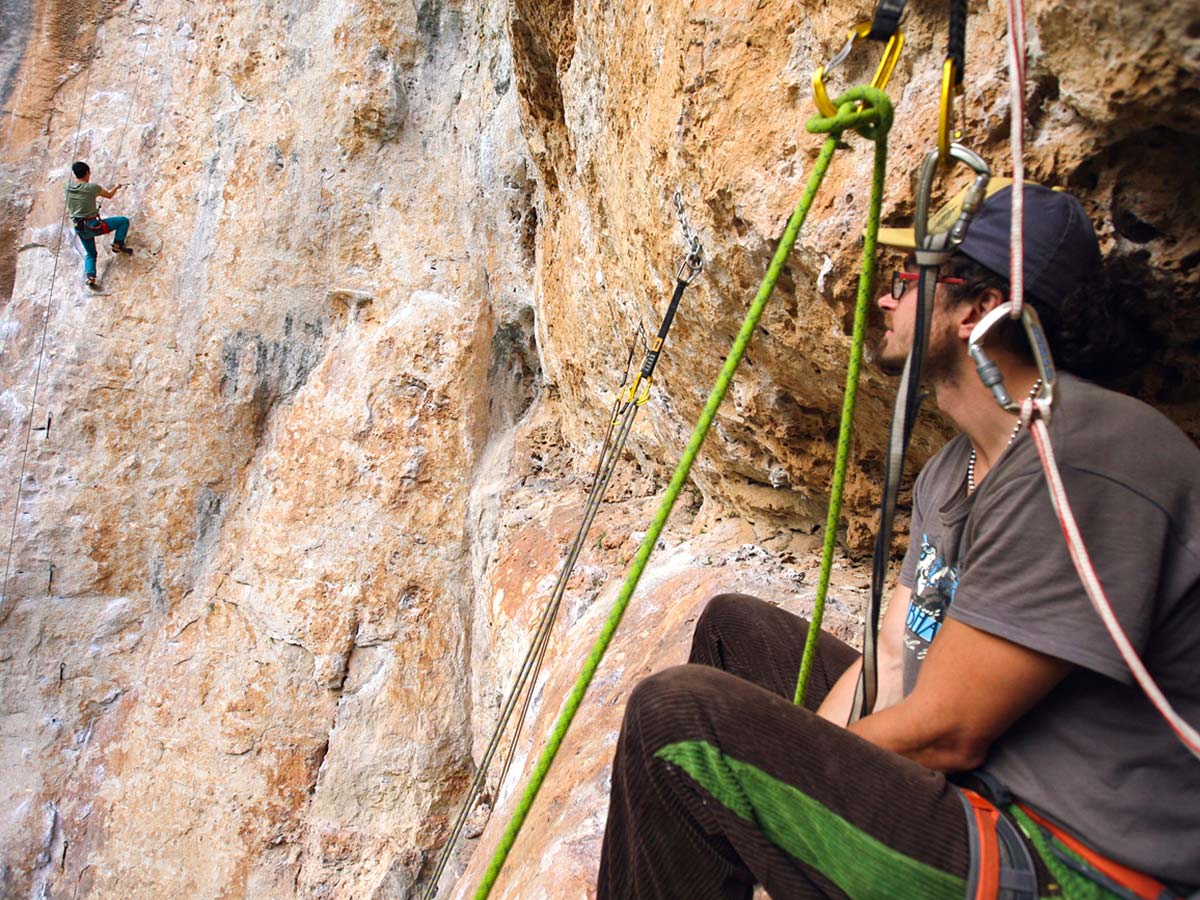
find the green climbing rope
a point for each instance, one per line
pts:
(866, 284)
(866, 110)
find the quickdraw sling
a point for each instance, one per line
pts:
(625, 410)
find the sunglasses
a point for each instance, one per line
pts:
(901, 280)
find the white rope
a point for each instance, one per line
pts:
(62, 222)
(1032, 412)
(1016, 89)
(137, 84)
(37, 375)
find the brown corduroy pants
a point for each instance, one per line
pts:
(721, 782)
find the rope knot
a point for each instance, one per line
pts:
(865, 109)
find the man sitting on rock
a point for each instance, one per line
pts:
(996, 675)
(85, 214)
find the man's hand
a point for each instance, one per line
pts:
(972, 687)
(111, 192)
(890, 665)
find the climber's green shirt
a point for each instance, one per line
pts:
(81, 199)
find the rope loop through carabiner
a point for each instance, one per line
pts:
(865, 109)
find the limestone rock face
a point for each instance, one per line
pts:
(285, 496)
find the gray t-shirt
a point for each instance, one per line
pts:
(1094, 754)
(81, 199)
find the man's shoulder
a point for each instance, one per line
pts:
(1118, 436)
(1111, 445)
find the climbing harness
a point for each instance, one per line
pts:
(620, 423)
(932, 251)
(872, 120)
(1001, 865)
(1072, 862)
(1035, 413)
(93, 226)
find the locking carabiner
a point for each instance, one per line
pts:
(937, 246)
(883, 72)
(990, 373)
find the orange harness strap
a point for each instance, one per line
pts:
(1132, 880)
(986, 817)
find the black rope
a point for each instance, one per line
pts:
(956, 43)
(904, 416)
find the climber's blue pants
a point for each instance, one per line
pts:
(118, 225)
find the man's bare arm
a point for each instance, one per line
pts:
(973, 686)
(111, 192)
(836, 706)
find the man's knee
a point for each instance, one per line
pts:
(667, 696)
(723, 611)
(731, 613)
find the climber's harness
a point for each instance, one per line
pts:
(1002, 867)
(1000, 832)
(90, 226)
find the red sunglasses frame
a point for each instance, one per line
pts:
(899, 277)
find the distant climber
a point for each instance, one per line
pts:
(85, 214)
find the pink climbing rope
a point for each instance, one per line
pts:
(1033, 413)
(1016, 89)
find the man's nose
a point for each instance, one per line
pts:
(886, 302)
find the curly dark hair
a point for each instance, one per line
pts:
(1094, 331)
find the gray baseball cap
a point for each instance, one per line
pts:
(1061, 249)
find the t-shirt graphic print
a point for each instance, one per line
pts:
(933, 592)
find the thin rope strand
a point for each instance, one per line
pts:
(866, 282)
(37, 375)
(1016, 91)
(1094, 589)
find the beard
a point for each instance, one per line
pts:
(888, 363)
(942, 355)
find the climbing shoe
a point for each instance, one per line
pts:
(93, 283)
(119, 247)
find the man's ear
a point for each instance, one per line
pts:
(969, 312)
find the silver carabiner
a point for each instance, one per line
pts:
(990, 373)
(691, 264)
(946, 240)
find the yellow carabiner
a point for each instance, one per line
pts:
(950, 89)
(883, 73)
(638, 392)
